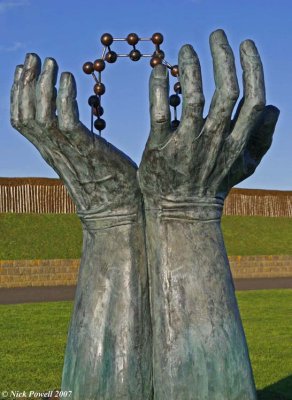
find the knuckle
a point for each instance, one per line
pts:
(233, 91)
(256, 103)
(160, 118)
(199, 99)
(229, 90)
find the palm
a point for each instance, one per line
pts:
(95, 172)
(206, 157)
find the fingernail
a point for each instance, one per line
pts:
(50, 69)
(160, 71)
(67, 82)
(31, 60)
(272, 111)
(219, 37)
(66, 78)
(18, 72)
(50, 63)
(187, 52)
(249, 48)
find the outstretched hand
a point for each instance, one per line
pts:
(202, 157)
(96, 174)
(205, 157)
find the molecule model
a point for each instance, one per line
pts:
(110, 56)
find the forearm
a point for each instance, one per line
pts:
(196, 323)
(108, 354)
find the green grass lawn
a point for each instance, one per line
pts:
(40, 236)
(266, 316)
(33, 338)
(257, 235)
(45, 236)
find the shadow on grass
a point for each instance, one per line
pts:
(281, 390)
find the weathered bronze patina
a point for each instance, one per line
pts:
(155, 313)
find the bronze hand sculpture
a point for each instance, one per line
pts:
(108, 354)
(199, 350)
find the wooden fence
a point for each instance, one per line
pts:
(45, 195)
(34, 195)
(266, 203)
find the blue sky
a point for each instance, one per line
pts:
(69, 31)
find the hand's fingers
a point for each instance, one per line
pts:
(254, 97)
(260, 139)
(27, 86)
(227, 91)
(192, 88)
(68, 114)
(253, 75)
(14, 97)
(46, 92)
(258, 144)
(159, 105)
(218, 121)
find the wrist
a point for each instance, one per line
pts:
(184, 208)
(110, 216)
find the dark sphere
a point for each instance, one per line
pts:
(135, 55)
(132, 39)
(99, 124)
(99, 65)
(98, 111)
(174, 100)
(106, 39)
(157, 38)
(111, 57)
(177, 87)
(174, 70)
(99, 89)
(175, 123)
(159, 53)
(88, 67)
(93, 101)
(155, 61)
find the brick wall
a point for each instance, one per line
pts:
(22, 273)
(261, 266)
